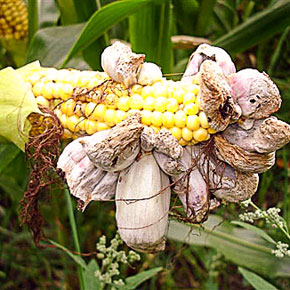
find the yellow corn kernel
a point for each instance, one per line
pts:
(182, 142)
(90, 126)
(123, 103)
(172, 105)
(73, 124)
(136, 89)
(147, 92)
(211, 131)
(136, 102)
(42, 101)
(67, 134)
(38, 89)
(168, 119)
(155, 128)
(99, 112)
(58, 113)
(67, 107)
(176, 132)
(102, 126)
(191, 109)
(89, 110)
(81, 124)
(159, 90)
(188, 98)
(180, 119)
(187, 134)
(203, 120)
(200, 135)
(193, 122)
(146, 117)
(149, 103)
(160, 104)
(64, 119)
(110, 117)
(179, 95)
(156, 119)
(120, 116)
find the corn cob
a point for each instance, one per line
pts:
(87, 102)
(13, 19)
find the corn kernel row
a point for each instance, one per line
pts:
(13, 19)
(87, 102)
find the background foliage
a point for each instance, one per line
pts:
(219, 255)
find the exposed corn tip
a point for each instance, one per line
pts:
(13, 19)
(87, 102)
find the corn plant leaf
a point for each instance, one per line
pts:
(257, 28)
(255, 280)
(16, 103)
(90, 280)
(101, 21)
(241, 246)
(150, 32)
(134, 281)
(257, 230)
(50, 46)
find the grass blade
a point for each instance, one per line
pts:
(256, 281)
(257, 28)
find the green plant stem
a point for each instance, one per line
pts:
(286, 187)
(273, 221)
(33, 24)
(75, 234)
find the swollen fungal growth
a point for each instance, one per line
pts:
(204, 138)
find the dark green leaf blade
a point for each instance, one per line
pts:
(257, 28)
(51, 45)
(256, 281)
(242, 247)
(150, 32)
(101, 21)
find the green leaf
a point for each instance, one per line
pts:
(68, 14)
(258, 231)
(134, 281)
(16, 103)
(76, 258)
(8, 152)
(150, 32)
(240, 246)
(85, 9)
(204, 16)
(51, 45)
(257, 28)
(33, 20)
(91, 281)
(101, 21)
(256, 281)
